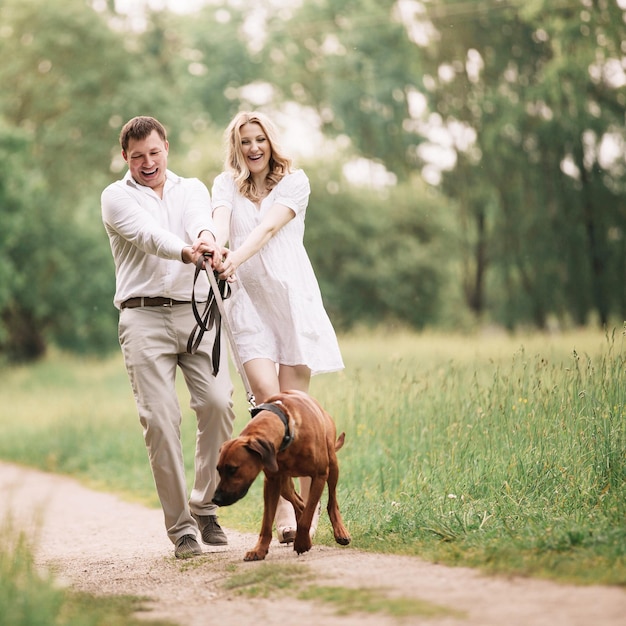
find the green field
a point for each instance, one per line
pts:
(504, 453)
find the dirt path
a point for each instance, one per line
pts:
(98, 543)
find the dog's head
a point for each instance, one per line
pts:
(240, 462)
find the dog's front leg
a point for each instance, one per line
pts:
(303, 541)
(271, 491)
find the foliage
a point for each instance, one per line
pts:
(503, 453)
(543, 203)
(352, 62)
(49, 290)
(526, 99)
(380, 254)
(62, 93)
(218, 62)
(54, 123)
(26, 597)
(15, 223)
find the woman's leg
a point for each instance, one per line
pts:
(267, 379)
(292, 377)
(263, 377)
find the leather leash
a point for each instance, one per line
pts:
(215, 313)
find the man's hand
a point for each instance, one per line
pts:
(206, 248)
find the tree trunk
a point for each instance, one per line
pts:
(25, 341)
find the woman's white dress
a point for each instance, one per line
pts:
(276, 309)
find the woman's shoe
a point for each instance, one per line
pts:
(286, 534)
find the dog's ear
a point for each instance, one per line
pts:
(267, 452)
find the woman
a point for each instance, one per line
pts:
(282, 332)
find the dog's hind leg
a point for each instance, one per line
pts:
(342, 536)
(288, 491)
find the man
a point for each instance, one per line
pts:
(159, 225)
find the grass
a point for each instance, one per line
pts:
(347, 601)
(499, 452)
(29, 596)
(266, 580)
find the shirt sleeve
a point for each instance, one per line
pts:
(198, 212)
(122, 213)
(293, 191)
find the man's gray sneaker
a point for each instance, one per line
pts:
(186, 547)
(211, 531)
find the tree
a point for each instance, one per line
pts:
(532, 80)
(218, 63)
(353, 62)
(380, 255)
(59, 115)
(17, 193)
(48, 292)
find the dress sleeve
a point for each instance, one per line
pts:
(223, 192)
(293, 191)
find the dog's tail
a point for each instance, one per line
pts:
(340, 441)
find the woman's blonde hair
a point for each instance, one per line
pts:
(279, 164)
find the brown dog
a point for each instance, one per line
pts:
(289, 435)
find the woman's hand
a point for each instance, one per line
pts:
(229, 266)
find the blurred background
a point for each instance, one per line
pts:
(466, 157)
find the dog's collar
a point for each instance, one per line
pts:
(274, 408)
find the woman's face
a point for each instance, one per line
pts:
(256, 148)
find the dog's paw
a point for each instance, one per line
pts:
(343, 541)
(302, 544)
(253, 555)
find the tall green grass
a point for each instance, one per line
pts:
(502, 452)
(510, 459)
(26, 595)
(31, 597)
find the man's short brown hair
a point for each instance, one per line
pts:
(139, 128)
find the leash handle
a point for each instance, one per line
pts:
(205, 322)
(229, 333)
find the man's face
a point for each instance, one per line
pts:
(147, 161)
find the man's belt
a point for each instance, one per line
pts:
(133, 303)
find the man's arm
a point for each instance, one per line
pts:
(205, 246)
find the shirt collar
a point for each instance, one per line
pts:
(172, 179)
